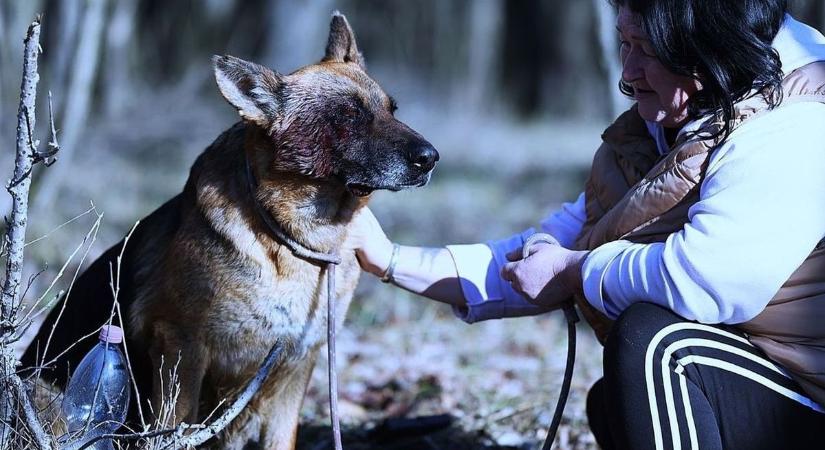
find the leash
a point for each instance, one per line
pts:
(572, 317)
(327, 262)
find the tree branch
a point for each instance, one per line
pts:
(19, 190)
(14, 394)
(30, 415)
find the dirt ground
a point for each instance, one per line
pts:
(499, 381)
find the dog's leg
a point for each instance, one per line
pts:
(270, 421)
(282, 412)
(172, 354)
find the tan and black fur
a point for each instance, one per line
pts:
(205, 284)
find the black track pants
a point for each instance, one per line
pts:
(673, 384)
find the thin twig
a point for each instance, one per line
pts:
(19, 305)
(30, 415)
(115, 285)
(73, 219)
(22, 329)
(88, 240)
(93, 232)
(54, 147)
(199, 437)
(140, 435)
(66, 350)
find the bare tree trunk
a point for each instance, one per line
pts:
(13, 23)
(606, 18)
(118, 37)
(485, 33)
(442, 18)
(290, 18)
(13, 393)
(4, 58)
(63, 43)
(19, 186)
(78, 98)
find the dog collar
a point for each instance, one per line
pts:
(278, 232)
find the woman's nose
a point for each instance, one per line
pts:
(631, 67)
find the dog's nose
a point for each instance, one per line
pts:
(424, 157)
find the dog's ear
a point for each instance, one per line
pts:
(251, 88)
(341, 46)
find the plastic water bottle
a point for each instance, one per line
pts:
(98, 388)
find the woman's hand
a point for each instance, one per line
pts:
(372, 247)
(549, 275)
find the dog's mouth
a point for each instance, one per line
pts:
(360, 189)
(363, 190)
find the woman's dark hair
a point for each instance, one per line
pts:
(725, 44)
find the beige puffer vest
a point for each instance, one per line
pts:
(635, 194)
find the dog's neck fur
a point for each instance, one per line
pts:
(313, 212)
(315, 215)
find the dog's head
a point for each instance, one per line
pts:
(329, 120)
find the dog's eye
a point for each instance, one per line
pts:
(352, 111)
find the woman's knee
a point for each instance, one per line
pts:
(633, 331)
(597, 415)
(595, 401)
(640, 321)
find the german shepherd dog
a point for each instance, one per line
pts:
(206, 284)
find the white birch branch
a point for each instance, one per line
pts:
(13, 395)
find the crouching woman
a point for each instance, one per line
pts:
(696, 249)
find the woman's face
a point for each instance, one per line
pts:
(662, 95)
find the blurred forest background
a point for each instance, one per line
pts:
(513, 93)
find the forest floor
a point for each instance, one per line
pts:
(498, 381)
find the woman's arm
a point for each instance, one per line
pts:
(467, 277)
(430, 272)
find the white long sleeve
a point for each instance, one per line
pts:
(761, 212)
(479, 267)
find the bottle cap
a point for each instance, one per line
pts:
(111, 334)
